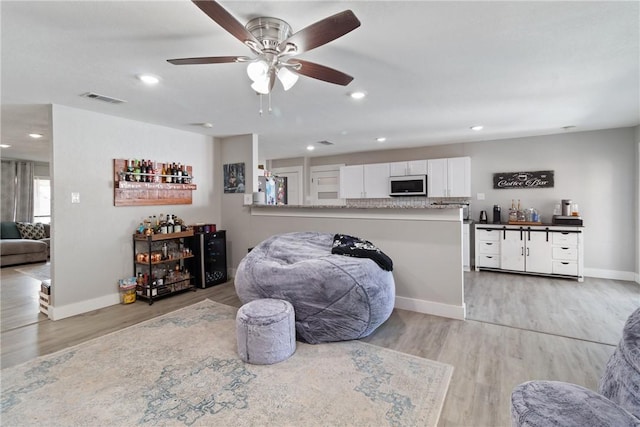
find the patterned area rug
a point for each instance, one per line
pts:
(39, 272)
(182, 369)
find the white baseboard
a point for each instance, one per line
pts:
(61, 312)
(611, 274)
(430, 307)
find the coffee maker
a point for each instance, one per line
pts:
(567, 216)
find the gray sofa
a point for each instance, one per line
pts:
(16, 250)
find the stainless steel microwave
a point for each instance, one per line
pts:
(411, 185)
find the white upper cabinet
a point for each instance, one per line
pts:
(449, 177)
(413, 167)
(364, 181)
(352, 182)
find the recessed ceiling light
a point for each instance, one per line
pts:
(4, 146)
(357, 95)
(207, 125)
(476, 128)
(35, 135)
(381, 139)
(149, 79)
(310, 147)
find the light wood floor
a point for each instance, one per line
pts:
(490, 356)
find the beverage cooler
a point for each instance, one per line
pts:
(210, 262)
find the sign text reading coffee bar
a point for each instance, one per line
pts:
(539, 179)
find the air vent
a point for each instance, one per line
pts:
(103, 98)
(325, 142)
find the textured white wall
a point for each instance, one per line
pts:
(92, 244)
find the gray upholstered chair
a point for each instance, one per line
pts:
(554, 403)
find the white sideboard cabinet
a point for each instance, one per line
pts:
(545, 249)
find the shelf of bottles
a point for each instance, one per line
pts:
(159, 264)
(150, 183)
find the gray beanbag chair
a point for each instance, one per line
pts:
(335, 297)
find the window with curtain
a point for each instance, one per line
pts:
(42, 200)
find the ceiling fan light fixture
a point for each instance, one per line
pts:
(287, 77)
(261, 86)
(357, 95)
(477, 127)
(258, 71)
(36, 135)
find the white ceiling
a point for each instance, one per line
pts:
(430, 69)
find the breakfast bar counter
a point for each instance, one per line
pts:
(425, 244)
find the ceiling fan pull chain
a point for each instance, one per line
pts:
(270, 110)
(260, 110)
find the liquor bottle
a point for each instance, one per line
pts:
(163, 224)
(169, 224)
(513, 213)
(156, 172)
(521, 215)
(179, 173)
(136, 171)
(163, 172)
(165, 251)
(129, 175)
(149, 171)
(174, 173)
(185, 176)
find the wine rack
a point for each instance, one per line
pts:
(134, 193)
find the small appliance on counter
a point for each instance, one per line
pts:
(567, 220)
(497, 214)
(570, 214)
(483, 217)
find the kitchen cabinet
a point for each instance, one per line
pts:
(565, 253)
(544, 250)
(364, 181)
(487, 248)
(413, 167)
(525, 250)
(449, 177)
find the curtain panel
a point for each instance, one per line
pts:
(17, 190)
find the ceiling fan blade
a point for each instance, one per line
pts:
(209, 60)
(320, 72)
(223, 18)
(322, 32)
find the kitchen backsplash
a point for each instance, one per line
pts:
(403, 202)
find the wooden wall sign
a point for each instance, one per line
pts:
(538, 179)
(132, 193)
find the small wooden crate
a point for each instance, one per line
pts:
(45, 297)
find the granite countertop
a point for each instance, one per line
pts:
(432, 206)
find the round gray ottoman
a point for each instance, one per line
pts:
(335, 297)
(266, 331)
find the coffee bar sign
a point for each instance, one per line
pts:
(539, 179)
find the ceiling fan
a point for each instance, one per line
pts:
(275, 47)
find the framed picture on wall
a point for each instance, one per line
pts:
(234, 178)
